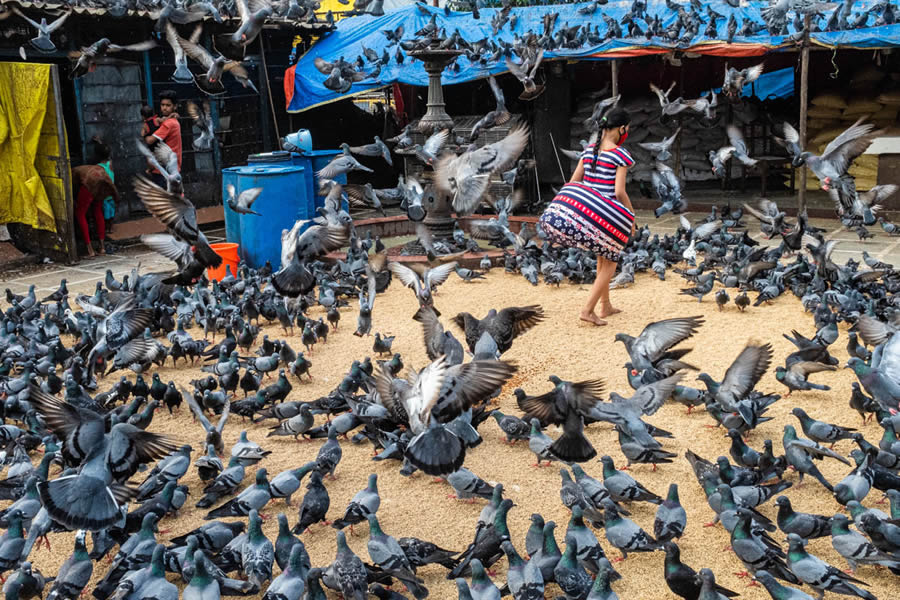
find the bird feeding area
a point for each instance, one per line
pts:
(561, 345)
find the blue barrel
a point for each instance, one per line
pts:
(284, 200)
(314, 161)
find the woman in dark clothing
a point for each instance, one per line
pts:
(593, 211)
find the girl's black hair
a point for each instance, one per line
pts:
(617, 117)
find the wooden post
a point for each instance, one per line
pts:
(614, 68)
(804, 100)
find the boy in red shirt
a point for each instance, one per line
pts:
(169, 132)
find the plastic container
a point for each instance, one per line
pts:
(230, 259)
(313, 161)
(284, 200)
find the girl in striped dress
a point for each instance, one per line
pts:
(593, 211)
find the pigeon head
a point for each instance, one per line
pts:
(673, 552)
(801, 159)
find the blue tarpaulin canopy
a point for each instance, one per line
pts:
(304, 83)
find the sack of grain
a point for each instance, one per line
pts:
(824, 112)
(889, 98)
(831, 100)
(861, 106)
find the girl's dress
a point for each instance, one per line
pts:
(586, 214)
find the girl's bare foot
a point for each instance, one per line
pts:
(102, 249)
(592, 318)
(608, 311)
(90, 252)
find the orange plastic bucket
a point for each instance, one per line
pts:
(229, 253)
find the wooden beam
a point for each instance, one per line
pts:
(804, 101)
(614, 68)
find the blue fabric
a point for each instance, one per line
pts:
(775, 84)
(354, 33)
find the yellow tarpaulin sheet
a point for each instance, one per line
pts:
(24, 90)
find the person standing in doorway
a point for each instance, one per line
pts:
(169, 131)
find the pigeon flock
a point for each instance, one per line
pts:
(85, 455)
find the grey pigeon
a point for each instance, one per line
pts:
(291, 582)
(364, 503)
(315, 504)
(468, 485)
(387, 554)
(623, 487)
(347, 572)
(806, 525)
(671, 517)
(856, 548)
(570, 576)
(626, 535)
(818, 574)
(257, 553)
(287, 482)
(74, 574)
(329, 454)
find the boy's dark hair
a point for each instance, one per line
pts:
(169, 95)
(147, 112)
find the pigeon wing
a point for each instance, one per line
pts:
(746, 370)
(658, 337)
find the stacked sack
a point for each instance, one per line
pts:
(830, 113)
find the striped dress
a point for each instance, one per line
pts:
(586, 214)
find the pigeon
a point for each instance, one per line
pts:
(291, 582)
(252, 497)
(314, 506)
(329, 454)
(376, 148)
(671, 517)
(503, 326)
(622, 487)
(341, 164)
(364, 503)
(513, 427)
(682, 579)
(257, 553)
(625, 534)
(242, 203)
(795, 376)
(467, 485)
(657, 339)
(566, 404)
(496, 117)
(178, 214)
(735, 79)
(856, 548)
(820, 575)
(387, 554)
(819, 431)
(466, 177)
(806, 525)
(42, 41)
(210, 82)
(86, 58)
(202, 118)
(347, 572)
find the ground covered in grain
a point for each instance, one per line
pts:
(564, 346)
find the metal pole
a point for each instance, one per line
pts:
(804, 97)
(614, 68)
(559, 162)
(262, 53)
(148, 79)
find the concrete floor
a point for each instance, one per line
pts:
(83, 277)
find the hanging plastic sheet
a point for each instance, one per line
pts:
(352, 35)
(24, 92)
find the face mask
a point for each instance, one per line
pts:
(623, 137)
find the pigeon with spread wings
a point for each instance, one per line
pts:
(43, 42)
(179, 216)
(467, 176)
(210, 82)
(203, 121)
(432, 398)
(86, 58)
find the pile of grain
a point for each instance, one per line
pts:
(564, 346)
